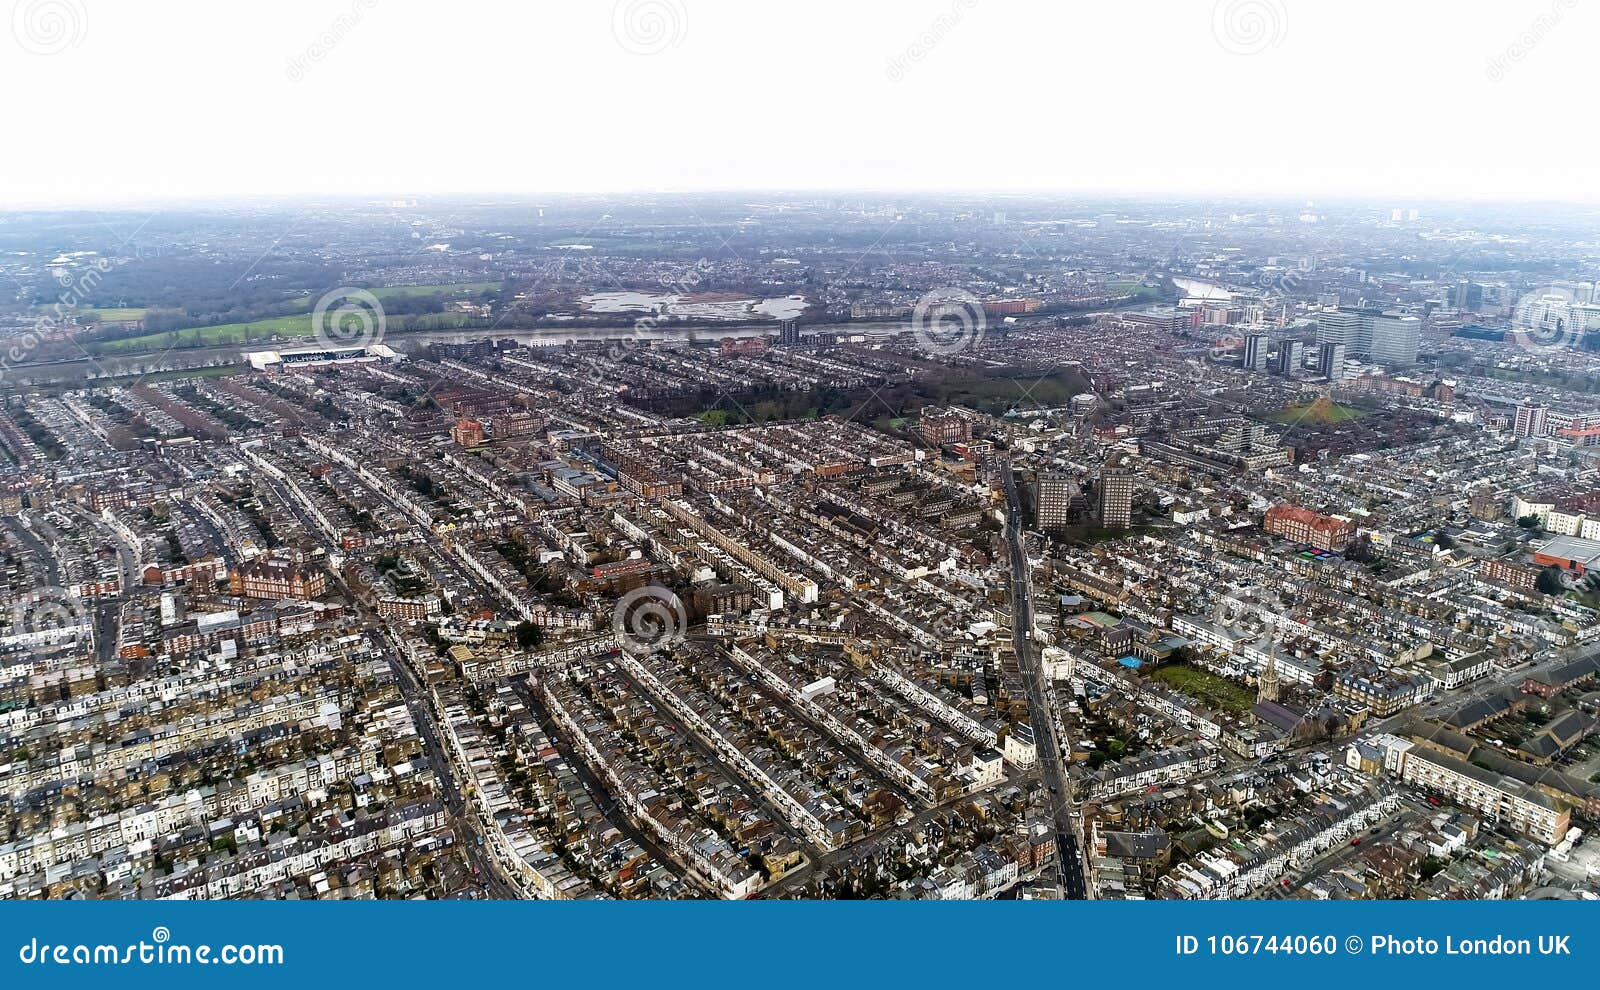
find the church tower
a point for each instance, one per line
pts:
(1267, 682)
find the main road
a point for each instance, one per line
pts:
(1057, 786)
(464, 818)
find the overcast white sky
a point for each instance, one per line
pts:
(110, 101)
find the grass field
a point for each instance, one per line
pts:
(997, 390)
(116, 315)
(292, 326)
(260, 331)
(1132, 288)
(1215, 691)
(111, 314)
(298, 325)
(1320, 413)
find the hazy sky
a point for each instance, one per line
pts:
(116, 101)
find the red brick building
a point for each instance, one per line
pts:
(1010, 307)
(1313, 528)
(262, 578)
(938, 428)
(747, 347)
(195, 572)
(403, 608)
(467, 433)
(1521, 577)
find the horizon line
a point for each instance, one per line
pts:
(531, 197)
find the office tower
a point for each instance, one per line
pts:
(1530, 420)
(1060, 500)
(1385, 338)
(1255, 352)
(1339, 326)
(1330, 361)
(1394, 339)
(1291, 357)
(1116, 499)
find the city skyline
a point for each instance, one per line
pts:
(800, 547)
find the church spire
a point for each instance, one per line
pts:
(1267, 682)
